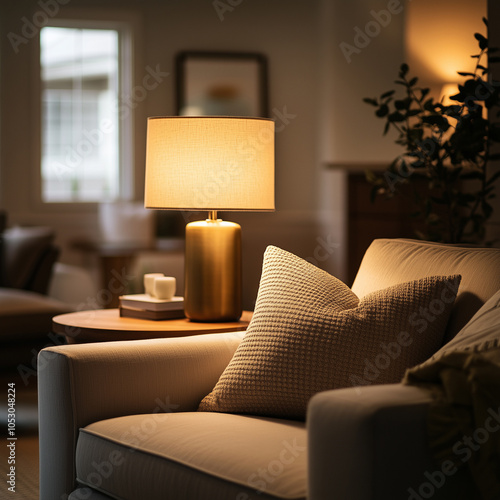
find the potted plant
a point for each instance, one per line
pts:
(451, 147)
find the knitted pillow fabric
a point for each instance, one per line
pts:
(311, 333)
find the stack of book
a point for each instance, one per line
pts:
(144, 306)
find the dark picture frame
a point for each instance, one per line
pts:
(221, 84)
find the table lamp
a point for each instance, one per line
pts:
(212, 163)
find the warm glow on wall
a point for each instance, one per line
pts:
(447, 91)
(440, 37)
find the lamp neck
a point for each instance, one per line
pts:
(212, 215)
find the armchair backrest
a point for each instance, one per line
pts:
(27, 258)
(391, 261)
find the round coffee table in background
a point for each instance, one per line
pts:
(103, 325)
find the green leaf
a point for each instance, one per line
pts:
(454, 110)
(368, 100)
(438, 120)
(371, 176)
(387, 94)
(420, 163)
(415, 134)
(429, 104)
(493, 178)
(439, 160)
(382, 111)
(473, 90)
(396, 116)
(483, 42)
(402, 103)
(424, 92)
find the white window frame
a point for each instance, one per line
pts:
(126, 37)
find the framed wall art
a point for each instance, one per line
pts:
(221, 84)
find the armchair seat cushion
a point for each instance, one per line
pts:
(194, 455)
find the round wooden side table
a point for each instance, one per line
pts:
(104, 325)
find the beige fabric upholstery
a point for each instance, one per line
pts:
(85, 383)
(364, 443)
(26, 315)
(272, 462)
(309, 333)
(369, 443)
(481, 333)
(389, 261)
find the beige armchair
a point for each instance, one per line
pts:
(118, 420)
(27, 260)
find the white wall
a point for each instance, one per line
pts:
(286, 31)
(309, 76)
(439, 45)
(362, 48)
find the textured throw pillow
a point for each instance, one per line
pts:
(310, 333)
(481, 333)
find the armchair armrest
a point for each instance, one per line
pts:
(83, 383)
(370, 443)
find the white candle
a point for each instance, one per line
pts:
(149, 281)
(164, 287)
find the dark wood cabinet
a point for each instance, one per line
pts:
(384, 218)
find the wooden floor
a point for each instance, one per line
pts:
(26, 431)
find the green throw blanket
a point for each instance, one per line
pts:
(464, 418)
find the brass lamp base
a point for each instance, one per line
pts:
(213, 270)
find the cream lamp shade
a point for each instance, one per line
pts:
(213, 163)
(210, 163)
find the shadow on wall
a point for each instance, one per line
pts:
(300, 234)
